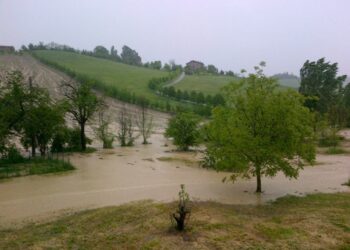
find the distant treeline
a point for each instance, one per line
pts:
(193, 96)
(286, 75)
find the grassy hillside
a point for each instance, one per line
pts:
(208, 84)
(125, 77)
(319, 221)
(212, 84)
(291, 83)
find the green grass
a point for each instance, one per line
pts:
(319, 221)
(336, 150)
(207, 84)
(34, 166)
(212, 84)
(125, 77)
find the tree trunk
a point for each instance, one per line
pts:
(258, 180)
(43, 151)
(33, 146)
(82, 137)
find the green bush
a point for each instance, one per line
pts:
(33, 166)
(67, 139)
(11, 155)
(183, 128)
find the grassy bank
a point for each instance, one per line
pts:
(212, 84)
(320, 221)
(207, 84)
(33, 167)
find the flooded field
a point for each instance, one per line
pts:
(120, 175)
(155, 171)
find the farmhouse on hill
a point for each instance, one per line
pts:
(194, 66)
(7, 49)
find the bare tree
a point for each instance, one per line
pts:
(144, 122)
(126, 130)
(82, 105)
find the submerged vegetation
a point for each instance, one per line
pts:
(34, 166)
(319, 221)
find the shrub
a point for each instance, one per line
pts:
(184, 129)
(67, 139)
(182, 215)
(12, 155)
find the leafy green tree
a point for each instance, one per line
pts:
(230, 73)
(29, 112)
(319, 79)
(130, 56)
(41, 120)
(212, 69)
(167, 67)
(101, 51)
(183, 128)
(260, 131)
(114, 54)
(82, 104)
(13, 98)
(218, 99)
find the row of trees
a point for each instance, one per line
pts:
(128, 55)
(193, 96)
(209, 69)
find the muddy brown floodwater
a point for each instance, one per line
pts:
(120, 175)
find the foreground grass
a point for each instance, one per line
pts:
(34, 166)
(320, 221)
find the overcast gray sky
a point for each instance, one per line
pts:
(229, 34)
